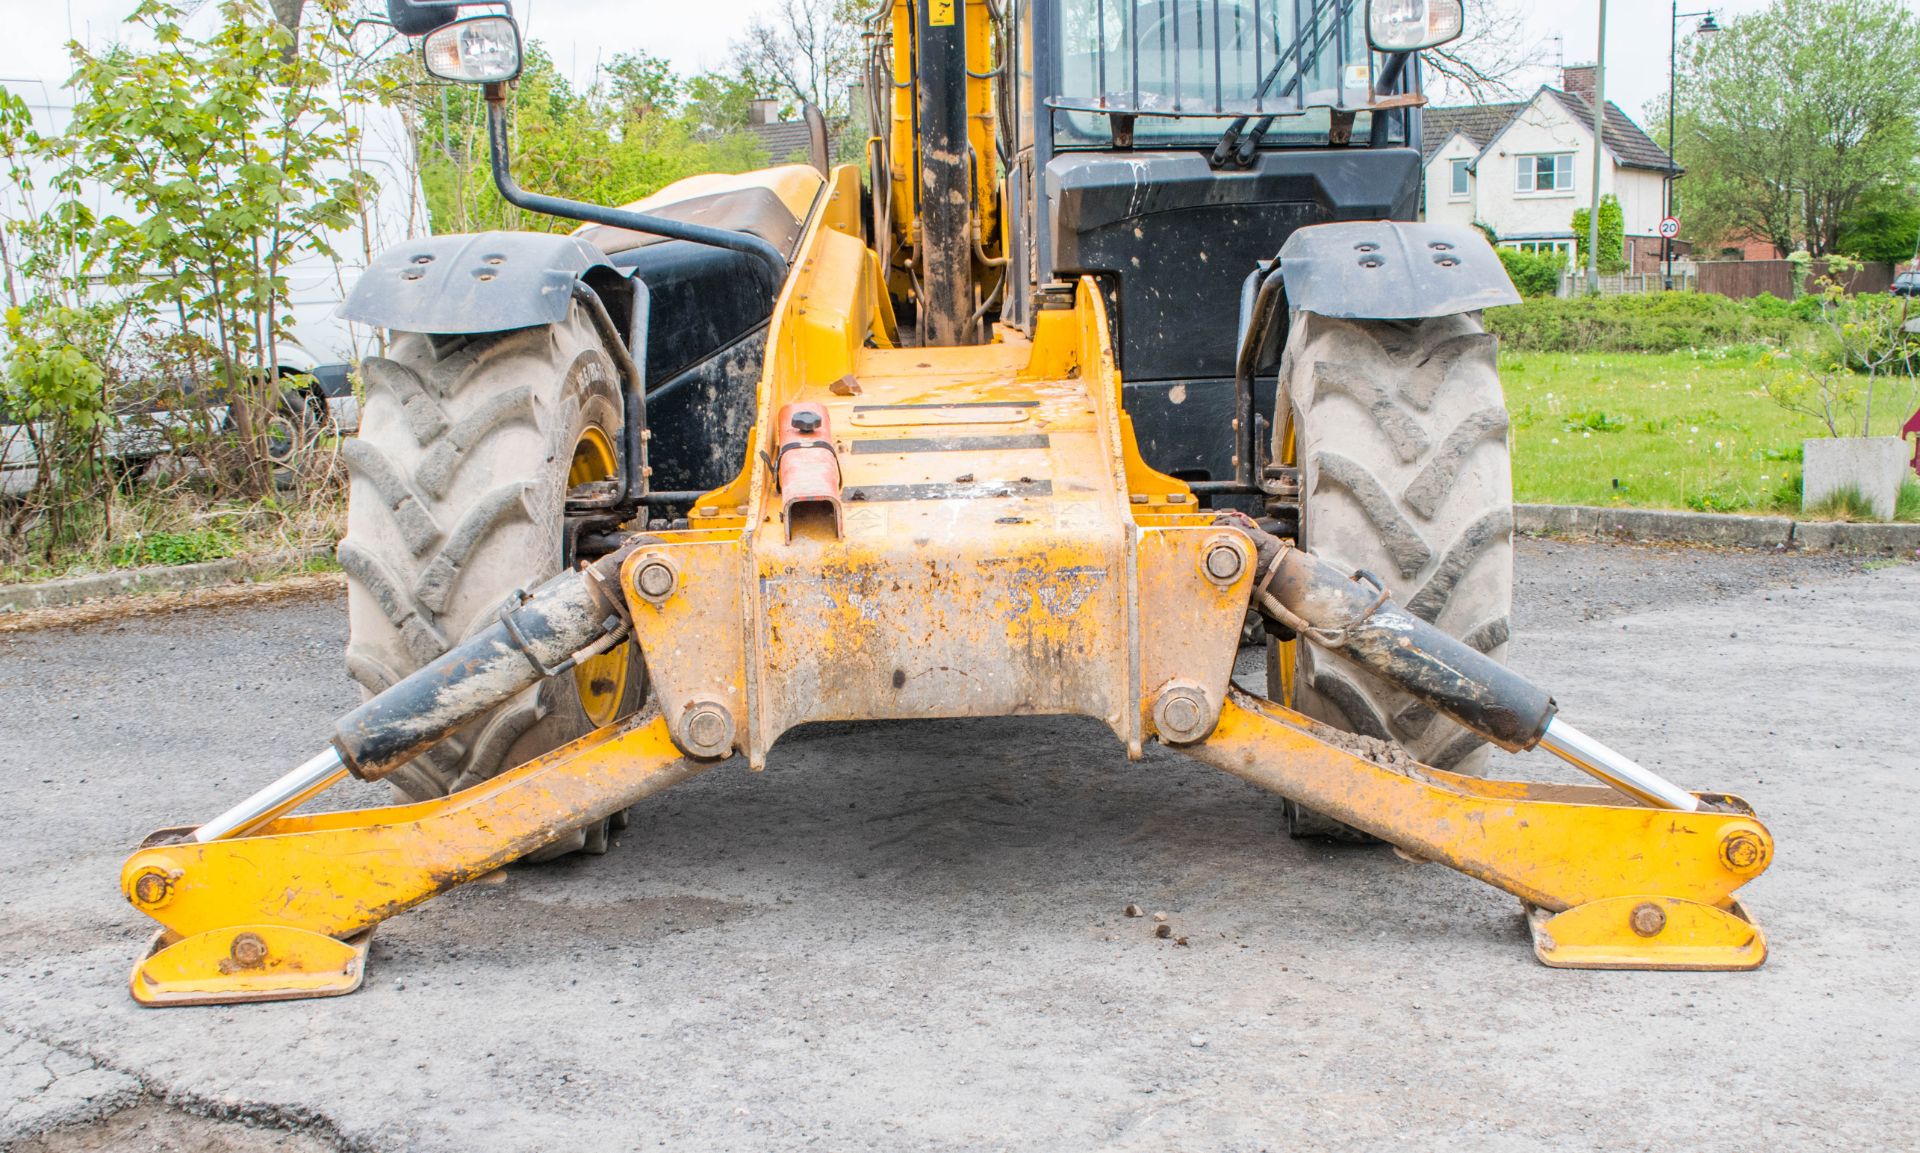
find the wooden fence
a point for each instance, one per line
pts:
(1573, 282)
(1743, 279)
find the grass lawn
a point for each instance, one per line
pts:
(1691, 430)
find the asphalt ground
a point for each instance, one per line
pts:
(912, 936)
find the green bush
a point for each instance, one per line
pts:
(168, 548)
(1651, 322)
(1847, 504)
(1533, 273)
(1907, 507)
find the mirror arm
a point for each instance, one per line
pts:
(745, 242)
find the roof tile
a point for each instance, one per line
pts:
(1625, 139)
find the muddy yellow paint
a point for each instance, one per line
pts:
(985, 53)
(338, 873)
(966, 582)
(1685, 935)
(1578, 851)
(263, 962)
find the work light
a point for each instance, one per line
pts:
(480, 50)
(1407, 25)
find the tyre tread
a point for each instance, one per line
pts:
(1363, 395)
(465, 470)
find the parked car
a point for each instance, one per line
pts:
(1906, 284)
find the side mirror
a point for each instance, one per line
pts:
(1409, 25)
(479, 50)
(419, 17)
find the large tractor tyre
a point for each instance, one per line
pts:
(1399, 429)
(467, 448)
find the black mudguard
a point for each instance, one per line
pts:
(1387, 270)
(479, 282)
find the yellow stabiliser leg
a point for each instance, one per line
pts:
(288, 912)
(1607, 883)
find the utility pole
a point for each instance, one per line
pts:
(1673, 163)
(1673, 98)
(1599, 148)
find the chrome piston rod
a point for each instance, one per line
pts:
(1642, 784)
(310, 779)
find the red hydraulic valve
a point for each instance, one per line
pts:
(808, 469)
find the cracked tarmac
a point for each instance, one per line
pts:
(912, 936)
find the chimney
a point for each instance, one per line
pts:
(762, 110)
(1577, 79)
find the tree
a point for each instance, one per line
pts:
(1884, 225)
(641, 85)
(1871, 350)
(638, 129)
(1483, 64)
(1791, 116)
(52, 386)
(220, 149)
(718, 103)
(805, 51)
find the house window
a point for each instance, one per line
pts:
(1460, 179)
(1548, 247)
(1552, 172)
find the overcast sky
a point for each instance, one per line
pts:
(694, 34)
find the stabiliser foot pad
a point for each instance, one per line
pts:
(248, 963)
(1647, 933)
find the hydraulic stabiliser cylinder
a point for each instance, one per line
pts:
(1351, 614)
(1356, 619)
(316, 776)
(576, 614)
(539, 637)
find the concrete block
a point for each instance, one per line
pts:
(1875, 465)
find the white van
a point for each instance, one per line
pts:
(319, 348)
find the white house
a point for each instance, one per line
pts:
(1524, 168)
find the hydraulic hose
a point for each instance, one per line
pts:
(512, 193)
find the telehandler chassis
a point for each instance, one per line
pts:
(929, 532)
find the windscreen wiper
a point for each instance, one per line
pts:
(1303, 53)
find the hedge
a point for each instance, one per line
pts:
(1649, 322)
(1533, 273)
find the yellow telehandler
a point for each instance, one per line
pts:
(1129, 330)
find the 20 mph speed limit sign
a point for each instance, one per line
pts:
(1670, 227)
